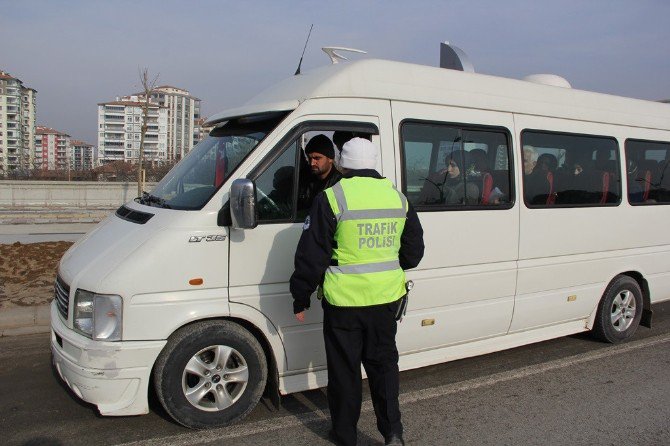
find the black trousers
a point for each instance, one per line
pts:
(362, 335)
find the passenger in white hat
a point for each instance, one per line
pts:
(360, 236)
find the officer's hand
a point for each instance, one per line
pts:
(300, 316)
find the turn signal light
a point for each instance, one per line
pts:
(196, 281)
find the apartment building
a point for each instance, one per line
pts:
(120, 130)
(83, 156)
(182, 112)
(17, 124)
(201, 131)
(52, 149)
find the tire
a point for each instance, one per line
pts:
(619, 311)
(210, 374)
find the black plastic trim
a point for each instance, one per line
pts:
(133, 216)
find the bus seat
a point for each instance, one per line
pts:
(219, 170)
(487, 187)
(606, 187)
(551, 198)
(646, 186)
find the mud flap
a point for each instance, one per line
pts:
(647, 314)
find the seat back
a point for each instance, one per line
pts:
(487, 187)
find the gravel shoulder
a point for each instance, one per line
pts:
(28, 272)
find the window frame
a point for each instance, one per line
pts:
(637, 140)
(461, 127)
(287, 140)
(570, 205)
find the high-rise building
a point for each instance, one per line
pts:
(120, 131)
(83, 156)
(17, 124)
(52, 149)
(201, 131)
(183, 110)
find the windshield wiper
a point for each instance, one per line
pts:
(150, 200)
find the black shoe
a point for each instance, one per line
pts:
(395, 440)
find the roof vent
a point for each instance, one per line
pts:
(454, 58)
(548, 79)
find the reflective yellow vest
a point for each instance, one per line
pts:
(370, 215)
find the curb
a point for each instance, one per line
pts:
(25, 320)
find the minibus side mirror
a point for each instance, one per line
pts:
(243, 204)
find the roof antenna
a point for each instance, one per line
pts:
(297, 72)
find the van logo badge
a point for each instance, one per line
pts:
(207, 238)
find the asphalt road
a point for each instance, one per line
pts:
(568, 391)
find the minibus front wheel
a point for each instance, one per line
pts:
(619, 311)
(210, 374)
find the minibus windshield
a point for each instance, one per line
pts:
(195, 179)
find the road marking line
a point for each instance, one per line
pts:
(290, 421)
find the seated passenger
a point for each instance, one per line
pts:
(547, 162)
(579, 184)
(529, 159)
(539, 185)
(479, 162)
(449, 186)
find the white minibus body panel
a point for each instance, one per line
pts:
(496, 274)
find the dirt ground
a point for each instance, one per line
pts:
(28, 272)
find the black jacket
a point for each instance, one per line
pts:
(315, 186)
(315, 248)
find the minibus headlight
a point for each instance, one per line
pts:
(98, 316)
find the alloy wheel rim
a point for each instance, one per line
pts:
(623, 310)
(215, 378)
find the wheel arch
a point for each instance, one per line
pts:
(272, 383)
(646, 298)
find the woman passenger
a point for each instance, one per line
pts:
(449, 185)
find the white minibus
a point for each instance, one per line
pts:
(557, 223)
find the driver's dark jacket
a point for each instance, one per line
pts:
(315, 186)
(315, 248)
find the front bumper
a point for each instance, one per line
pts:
(112, 375)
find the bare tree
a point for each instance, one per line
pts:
(148, 87)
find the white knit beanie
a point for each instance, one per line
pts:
(359, 153)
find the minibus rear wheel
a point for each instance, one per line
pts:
(619, 311)
(210, 374)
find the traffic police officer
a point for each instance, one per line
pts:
(360, 236)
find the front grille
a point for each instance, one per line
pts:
(62, 296)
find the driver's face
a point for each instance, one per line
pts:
(320, 164)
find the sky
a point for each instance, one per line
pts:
(79, 53)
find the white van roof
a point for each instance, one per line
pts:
(390, 80)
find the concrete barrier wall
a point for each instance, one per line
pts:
(65, 194)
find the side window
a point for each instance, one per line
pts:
(274, 188)
(648, 172)
(562, 169)
(286, 189)
(452, 166)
